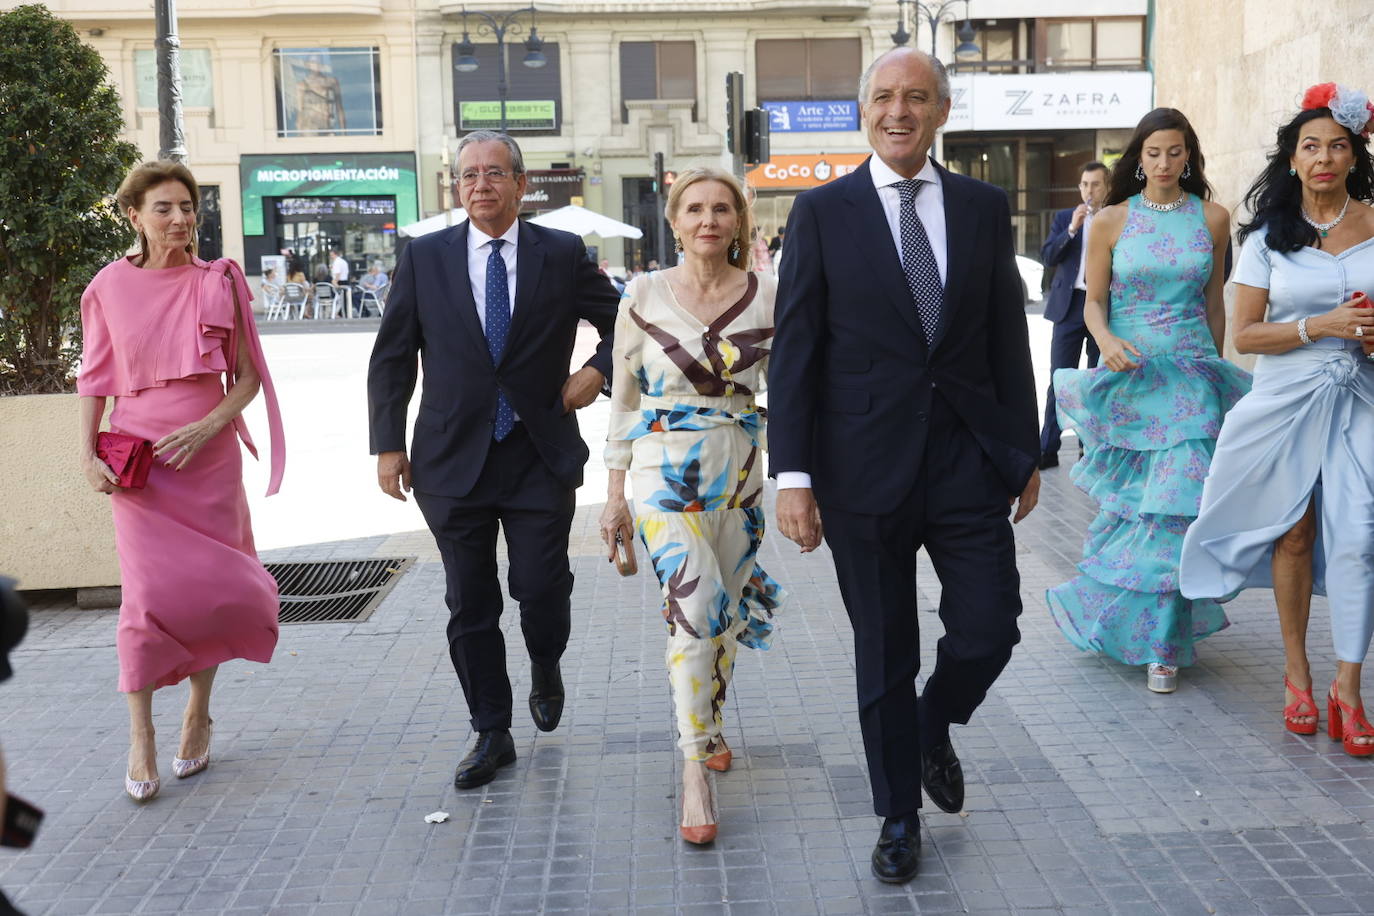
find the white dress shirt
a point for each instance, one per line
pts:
(338, 269)
(479, 249)
(1081, 280)
(930, 210)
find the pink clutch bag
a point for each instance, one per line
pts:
(128, 456)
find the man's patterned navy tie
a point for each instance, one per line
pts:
(918, 260)
(498, 326)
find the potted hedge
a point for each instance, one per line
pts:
(61, 159)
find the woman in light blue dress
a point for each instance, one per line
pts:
(1150, 413)
(1295, 460)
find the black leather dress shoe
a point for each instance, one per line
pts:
(897, 857)
(1049, 460)
(943, 777)
(491, 751)
(546, 696)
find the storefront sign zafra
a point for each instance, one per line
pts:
(346, 175)
(804, 171)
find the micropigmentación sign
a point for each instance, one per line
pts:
(340, 175)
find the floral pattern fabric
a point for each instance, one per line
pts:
(1148, 435)
(685, 426)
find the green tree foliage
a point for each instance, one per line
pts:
(61, 159)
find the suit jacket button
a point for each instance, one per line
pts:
(921, 416)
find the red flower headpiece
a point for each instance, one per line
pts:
(1350, 108)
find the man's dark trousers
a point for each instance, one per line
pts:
(517, 492)
(1066, 347)
(958, 510)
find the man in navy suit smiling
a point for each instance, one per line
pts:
(902, 414)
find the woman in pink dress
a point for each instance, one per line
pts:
(171, 338)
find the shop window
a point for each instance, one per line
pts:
(328, 92)
(1088, 44)
(197, 88)
(807, 69)
(999, 42)
(534, 95)
(210, 232)
(657, 70)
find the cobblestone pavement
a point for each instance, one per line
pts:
(1087, 794)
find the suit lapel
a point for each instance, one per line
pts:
(456, 275)
(529, 267)
(961, 227)
(869, 228)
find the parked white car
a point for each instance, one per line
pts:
(1032, 275)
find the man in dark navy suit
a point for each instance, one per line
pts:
(1065, 250)
(492, 307)
(902, 414)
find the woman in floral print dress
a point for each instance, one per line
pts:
(1149, 415)
(691, 344)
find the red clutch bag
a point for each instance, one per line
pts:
(128, 456)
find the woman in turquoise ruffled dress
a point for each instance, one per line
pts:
(1150, 413)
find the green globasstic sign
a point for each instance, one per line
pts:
(520, 115)
(342, 175)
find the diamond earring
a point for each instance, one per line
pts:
(677, 244)
(1139, 173)
(1187, 169)
(734, 250)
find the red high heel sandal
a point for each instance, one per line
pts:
(1304, 705)
(1345, 724)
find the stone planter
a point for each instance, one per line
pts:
(55, 531)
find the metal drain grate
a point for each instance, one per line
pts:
(334, 590)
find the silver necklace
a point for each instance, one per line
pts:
(1163, 208)
(1324, 228)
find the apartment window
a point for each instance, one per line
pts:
(1087, 44)
(999, 41)
(807, 69)
(328, 92)
(534, 95)
(657, 70)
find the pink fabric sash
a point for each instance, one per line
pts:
(227, 268)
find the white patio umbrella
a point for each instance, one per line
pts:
(434, 223)
(581, 221)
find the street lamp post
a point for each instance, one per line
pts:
(171, 129)
(934, 14)
(498, 25)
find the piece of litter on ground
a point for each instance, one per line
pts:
(293, 653)
(438, 817)
(486, 801)
(1197, 793)
(963, 814)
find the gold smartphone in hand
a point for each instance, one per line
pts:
(625, 556)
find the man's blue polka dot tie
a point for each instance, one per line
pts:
(498, 326)
(918, 260)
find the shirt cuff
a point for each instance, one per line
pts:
(794, 480)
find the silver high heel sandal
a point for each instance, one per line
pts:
(1161, 678)
(183, 768)
(141, 791)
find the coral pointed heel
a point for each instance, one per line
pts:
(1345, 724)
(1303, 706)
(701, 834)
(721, 761)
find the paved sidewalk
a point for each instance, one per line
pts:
(1087, 794)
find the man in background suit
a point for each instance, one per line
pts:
(492, 307)
(902, 413)
(1065, 250)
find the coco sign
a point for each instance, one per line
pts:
(804, 171)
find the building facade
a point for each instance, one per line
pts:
(332, 123)
(300, 118)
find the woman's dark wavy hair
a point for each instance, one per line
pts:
(1275, 199)
(1124, 183)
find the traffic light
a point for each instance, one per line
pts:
(660, 187)
(734, 112)
(755, 151)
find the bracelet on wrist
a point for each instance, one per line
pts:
(1302, 331)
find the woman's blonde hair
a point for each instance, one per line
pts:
(690, 176)
(149, 175)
